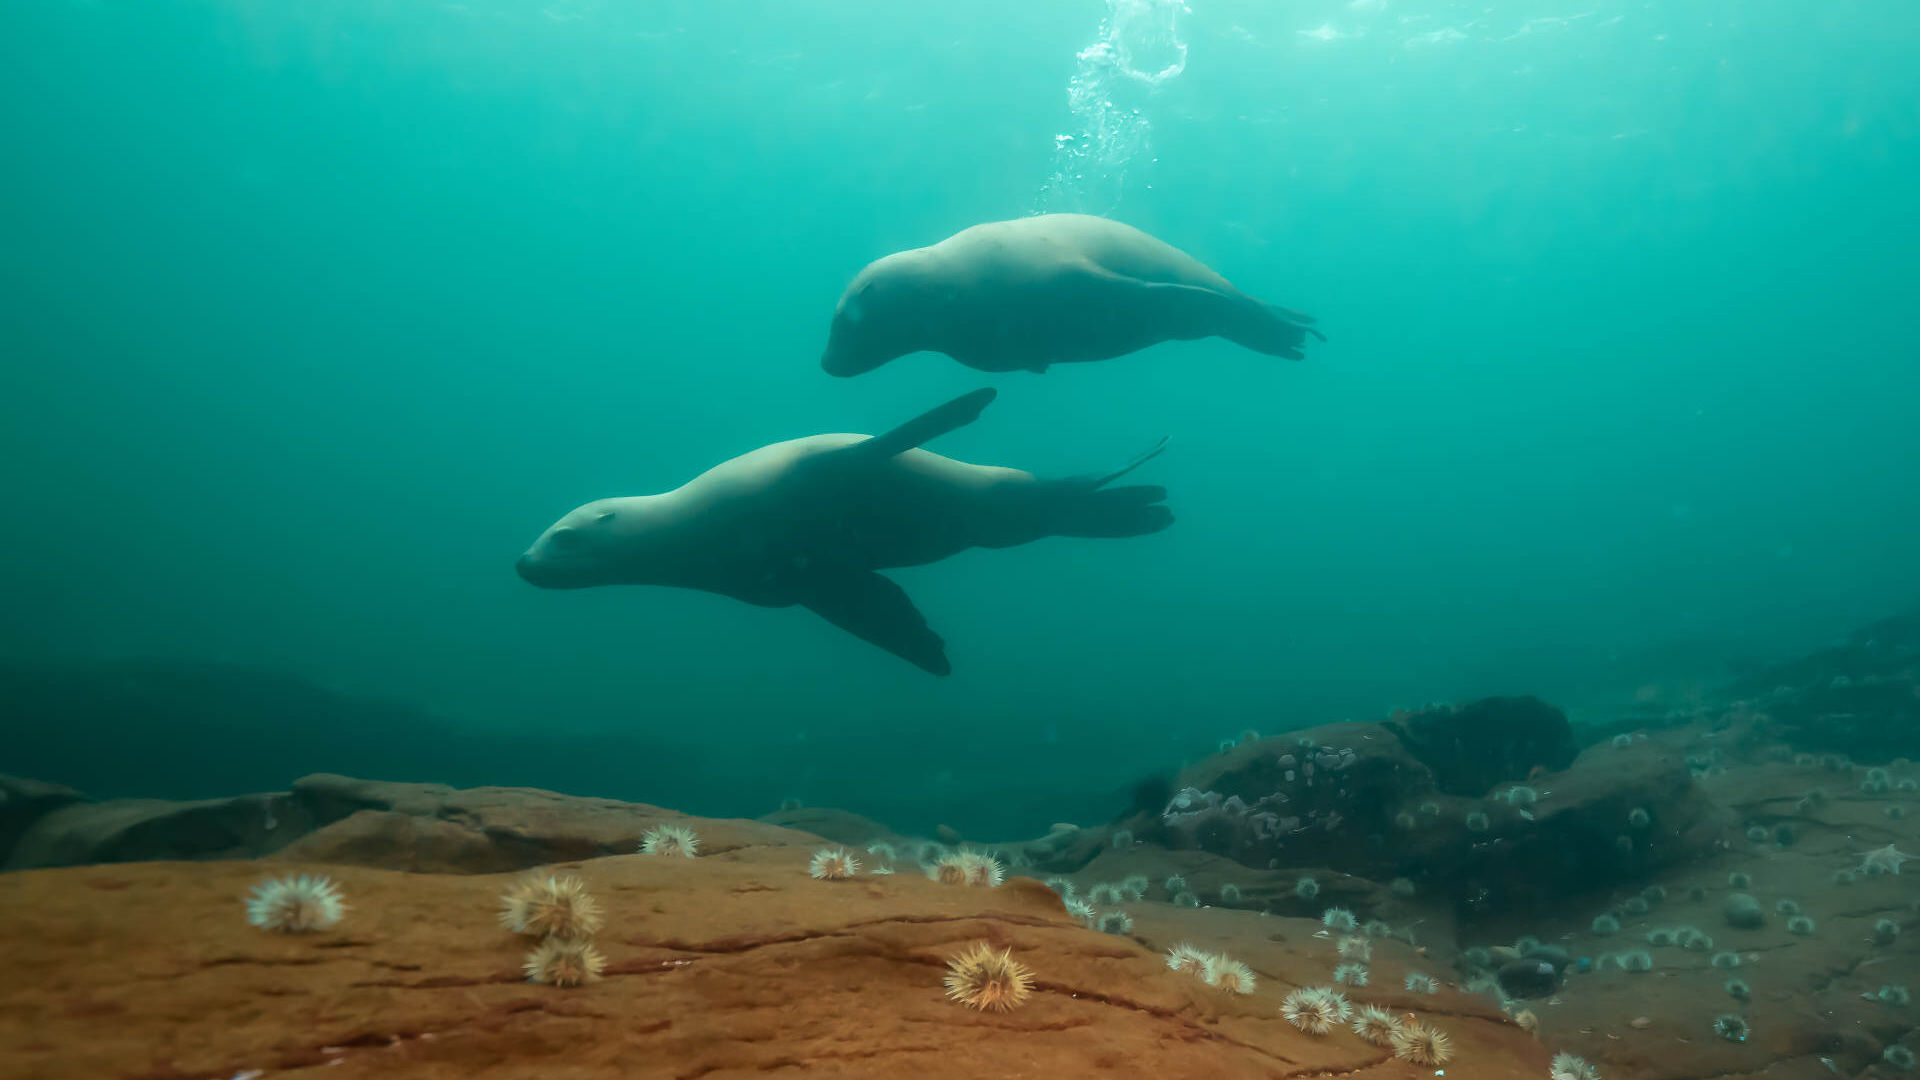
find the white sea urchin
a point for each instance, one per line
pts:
(551, 907)
(988, 980)
(983, 870)
(564, 962)
(297, 905)
(1185, 957)
(1422, 1045)
(670, 840)
(1228, 974)
(1568, 1067)
(1314, 1011)
(1375, 1024)
(833, 864)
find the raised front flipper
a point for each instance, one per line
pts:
(876, 610)
(926, 427)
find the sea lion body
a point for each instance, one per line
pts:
(1058, 288)
(810, 521)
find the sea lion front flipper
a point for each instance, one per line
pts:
(876, 610)
(926, 427)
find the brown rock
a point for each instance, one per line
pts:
(728, 966)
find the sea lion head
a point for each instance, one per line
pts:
(887, 312)
(604, 542)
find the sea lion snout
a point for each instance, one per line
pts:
(843, 357)
(528, 567)
(551, 574)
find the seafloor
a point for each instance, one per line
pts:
(1565, 899)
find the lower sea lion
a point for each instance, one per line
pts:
(1053, 289)
(810, 521)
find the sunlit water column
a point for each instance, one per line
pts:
(1139, 49)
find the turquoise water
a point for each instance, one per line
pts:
(318, 313)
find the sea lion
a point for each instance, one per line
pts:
(810, 521)
(1053, 289)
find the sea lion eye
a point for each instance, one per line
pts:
(855, 310)
(566, 537)
(604, 516)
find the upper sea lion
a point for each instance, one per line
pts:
(1053, 289)
(810, 521)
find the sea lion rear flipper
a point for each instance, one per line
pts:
(1158, 449)
(926, 427)
(876, 610)
(1086, 506)
(1298, 318)
(1189, 312)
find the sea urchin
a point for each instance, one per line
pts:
(1335, 918)
(670, 840)
(1567, 1067)
(1375, 1024)
(1228, 974)
(1422, 1045)
(1185, 957)
(556, 907)
(1313, 1011)
(983, 870)
(298, 905)
(951, 870)
(564, 962)
(990, 981)
(833, 864)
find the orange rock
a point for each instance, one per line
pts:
(734, 964)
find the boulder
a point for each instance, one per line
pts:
(1469, 748)
(1743, 912)
(1529, 977)
(23, 802)
(1357, 799)
(1325, 796)
(336, 819)
(124, 830)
